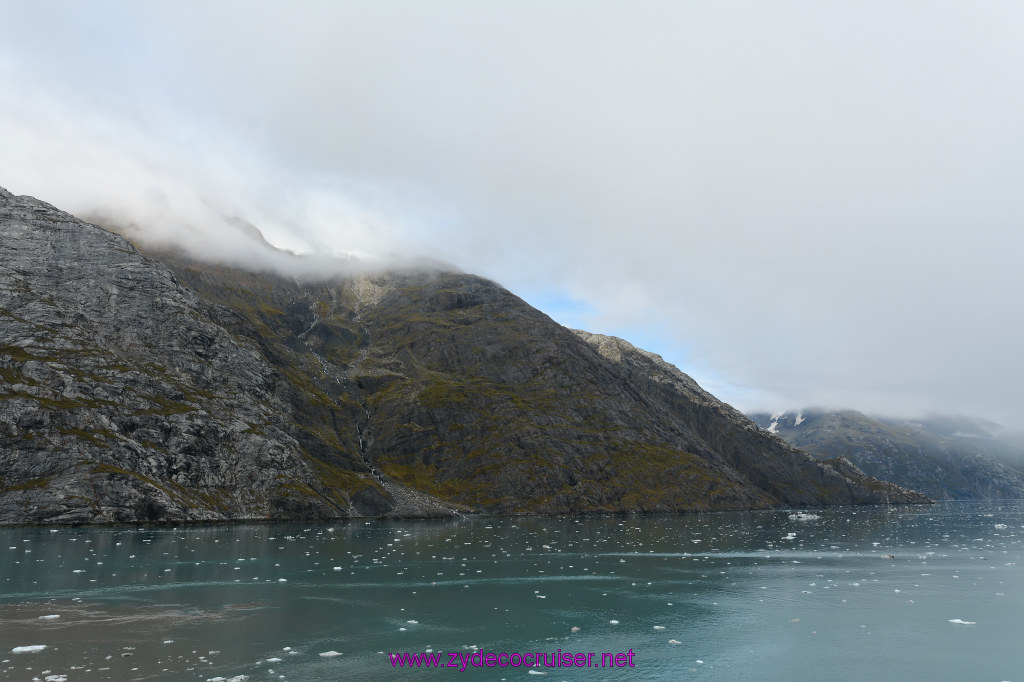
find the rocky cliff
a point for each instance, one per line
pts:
(944, 458)
(135, 388)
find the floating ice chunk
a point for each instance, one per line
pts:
(273, 660)
(1001, 526)
(413, 622)
(329, 654)
(574, 629)
(337, 568)
(962, 622)
(56, 678)
(29, 649)
(536, 672)
(614, 622)
(282, 580)
(50, 617)
(803, 516)
(674, 641)
(659, 627)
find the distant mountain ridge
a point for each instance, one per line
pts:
(944, 457)
(141, 388)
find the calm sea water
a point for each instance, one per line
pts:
(925, 593)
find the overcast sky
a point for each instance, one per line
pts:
(798, 203)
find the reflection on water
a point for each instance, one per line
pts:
(910, 593)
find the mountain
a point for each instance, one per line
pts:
(944, 457)
(152, 387)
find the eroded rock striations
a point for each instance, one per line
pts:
(135, 389)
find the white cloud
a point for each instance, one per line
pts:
(813, 202)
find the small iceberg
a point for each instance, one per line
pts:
(962, 622)
(803, 516)
(29, 649)
(329, 654)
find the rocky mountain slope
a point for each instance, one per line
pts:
(134, 389)
(944, 458)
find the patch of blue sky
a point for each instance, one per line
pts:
(651, 336)
(564, 309)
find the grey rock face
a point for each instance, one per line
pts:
(121, 400)
(932, 460)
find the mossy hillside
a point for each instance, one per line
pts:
(454, 386)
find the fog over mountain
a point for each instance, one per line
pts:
(808, 203)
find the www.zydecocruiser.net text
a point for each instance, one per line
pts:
(481, 659)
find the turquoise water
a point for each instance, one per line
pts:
(725, 596)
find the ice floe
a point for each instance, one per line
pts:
(28, 649)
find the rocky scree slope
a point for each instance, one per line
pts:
(916, 455)
(140, 389)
